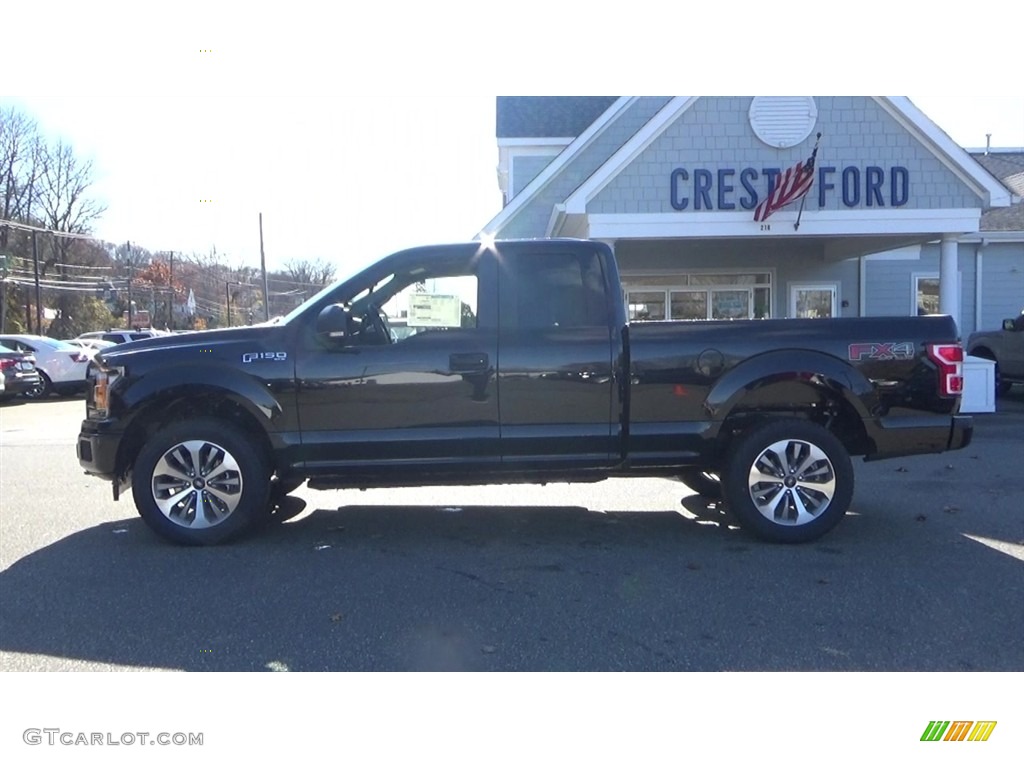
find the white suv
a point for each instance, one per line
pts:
(120, 337)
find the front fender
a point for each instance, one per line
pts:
(182, 382)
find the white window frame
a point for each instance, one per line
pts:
(915, 279)
(628, 278)
(816, 286)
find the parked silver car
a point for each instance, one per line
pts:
(18, 373)
(61, 365)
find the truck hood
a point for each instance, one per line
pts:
(179, 342)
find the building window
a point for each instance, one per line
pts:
(814, 301)
(699, 296)
(926, 294)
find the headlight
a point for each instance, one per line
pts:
(98, 403)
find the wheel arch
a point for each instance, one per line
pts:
(194, 401)
(982, 350)
(793, 384)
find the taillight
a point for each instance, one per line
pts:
(7, 363)
(950, 360)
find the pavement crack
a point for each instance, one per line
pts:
(477, 579)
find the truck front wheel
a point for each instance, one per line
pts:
(200, 482)
(789, 481)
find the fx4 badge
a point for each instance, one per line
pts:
(882, 350)
(280, 357)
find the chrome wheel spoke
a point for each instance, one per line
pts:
(768, 500)
(803, 515)
(757, 476)
(172, 499)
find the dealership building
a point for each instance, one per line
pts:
(898, 218)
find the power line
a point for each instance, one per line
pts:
(46, 230)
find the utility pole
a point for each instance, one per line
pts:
(3, 296)
(227, 295)
(131, 274)
(170, 313)
(263, 266)
(39, 306)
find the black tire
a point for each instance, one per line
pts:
(705, 482)
(228, 498)
(814, 483)
(42, 390)
(1002, 386)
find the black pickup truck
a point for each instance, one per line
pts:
(516, 364)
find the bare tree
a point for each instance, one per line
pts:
(64, 202)
(308, 273)
(20, 165)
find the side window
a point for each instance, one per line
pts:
(439, 303)
(557, 290)
(436, 296)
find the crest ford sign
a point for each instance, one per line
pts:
(729, 189)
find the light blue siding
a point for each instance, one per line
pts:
(715, 133)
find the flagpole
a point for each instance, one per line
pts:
(814, 154)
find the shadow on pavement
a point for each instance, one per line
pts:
(521, 588)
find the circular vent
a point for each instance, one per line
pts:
(783, 121)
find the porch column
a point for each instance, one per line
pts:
(949, 303)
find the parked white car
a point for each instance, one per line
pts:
(91, 346)
(61, 365)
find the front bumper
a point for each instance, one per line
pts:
(97, 446)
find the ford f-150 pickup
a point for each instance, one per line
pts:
(1005, 348)
(517, 364)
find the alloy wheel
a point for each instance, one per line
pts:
(197, 484)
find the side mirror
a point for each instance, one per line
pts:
(1011, 324)
(333, 322)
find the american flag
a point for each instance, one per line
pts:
(789, 187)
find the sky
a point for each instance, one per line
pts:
(345, 179)
(356, 138)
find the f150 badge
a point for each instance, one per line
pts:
(280, 357)
(882, 350)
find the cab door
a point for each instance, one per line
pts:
(425, 403)
(556, 378)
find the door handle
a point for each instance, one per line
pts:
(468, 362)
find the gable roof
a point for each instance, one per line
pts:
(548, 116)
(1008, 167)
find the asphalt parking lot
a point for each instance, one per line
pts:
(926, 573)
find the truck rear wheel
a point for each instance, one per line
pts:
(200, 482)
(789, 481)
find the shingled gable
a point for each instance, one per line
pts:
(522, 114)
(1008, 167)
(954, 157)
(548, 116)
